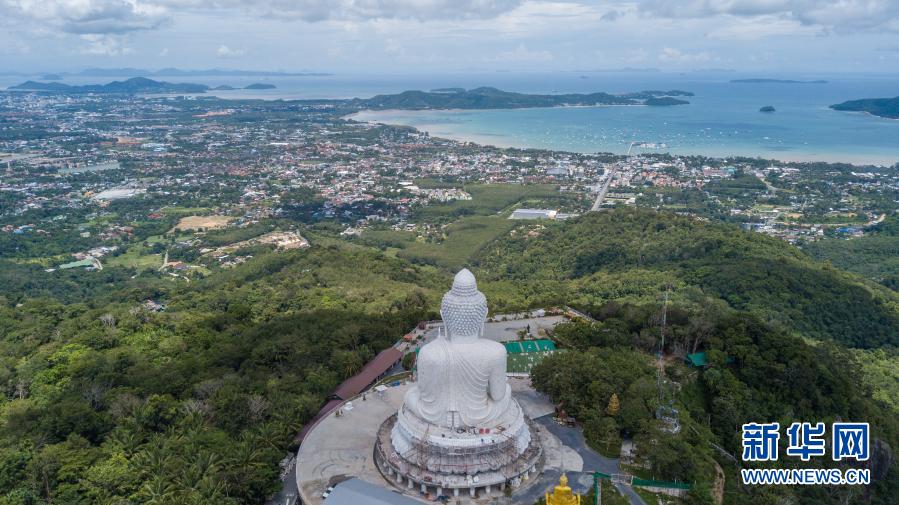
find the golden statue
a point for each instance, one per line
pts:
(562, 494)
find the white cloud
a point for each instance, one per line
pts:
(15, 46)
(120, 16)
(88, 16)
(828, 14)
(522, 54)
(454, 34)
(758, 27)
(611, 15)
(226, 52)
(104, 45)
(391, 46)
(317, 10)
(541, 17)
(674, 55)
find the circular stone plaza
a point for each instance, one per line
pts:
(462, 428)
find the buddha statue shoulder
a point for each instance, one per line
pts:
(461, 375)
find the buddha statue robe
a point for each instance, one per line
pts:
(461, 375)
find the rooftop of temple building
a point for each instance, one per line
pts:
(356, 491)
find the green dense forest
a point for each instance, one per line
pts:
(775, 324)
(110, 400)
(875, 255)
(757, 373)
(635, 253)
(883, 107)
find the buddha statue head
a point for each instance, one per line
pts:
(464, 308)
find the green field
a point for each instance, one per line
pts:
(473, 223)
(464, 239)
(488, 199)
(136, 257)
(184, 211)
(430, 183)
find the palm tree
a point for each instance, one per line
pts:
(157, 492)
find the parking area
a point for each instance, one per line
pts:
(509, 329)
(341, 446)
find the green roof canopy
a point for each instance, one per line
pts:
(698, 359)
(526, 346)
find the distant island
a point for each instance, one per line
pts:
(130, 86)
(51, 77)
(775, 81)
(224, 87)
(492, 98)
(448, 90)
(767, 108)
(881, 107)
(663, 101)
(259, 85)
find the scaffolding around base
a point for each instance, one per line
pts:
(447, 469)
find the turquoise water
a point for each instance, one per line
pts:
(721, 120)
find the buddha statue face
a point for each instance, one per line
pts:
(464, 308)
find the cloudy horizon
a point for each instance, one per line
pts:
(798, 36)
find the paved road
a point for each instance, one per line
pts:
(289, 493)
(504, 331)
(579, 481)
(602, 192)
(593, 462)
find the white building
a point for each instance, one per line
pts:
(533, 214)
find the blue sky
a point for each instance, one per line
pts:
(783, 36)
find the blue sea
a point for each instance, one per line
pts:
(722, 120)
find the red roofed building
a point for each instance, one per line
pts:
(370, 373)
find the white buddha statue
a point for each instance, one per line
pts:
(459, 424)
(462, 376)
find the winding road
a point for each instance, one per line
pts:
(580, 482)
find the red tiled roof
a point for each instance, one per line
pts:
(369, 373)
(354, 385)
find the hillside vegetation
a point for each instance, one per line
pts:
(883, 107)
(492, 98)
(875, 255)
(132, 85)
(631, 252)
(109, 401)
(756, 373)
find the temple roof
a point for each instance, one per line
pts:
(357, 491)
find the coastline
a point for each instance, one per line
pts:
(505, 141)
(596, 106)
(865, 113)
